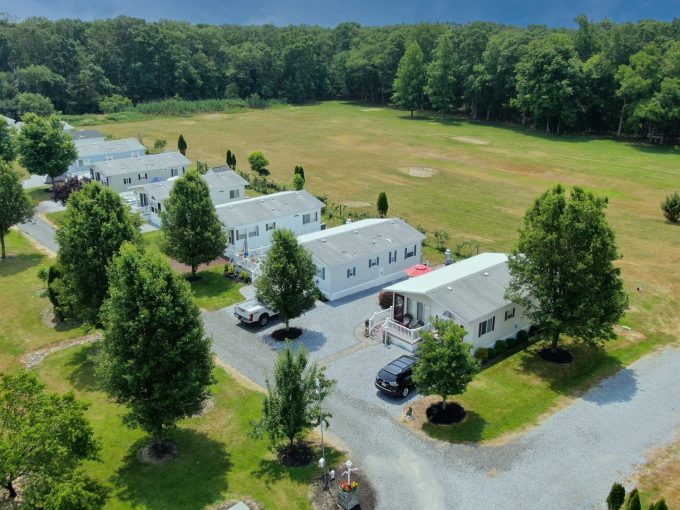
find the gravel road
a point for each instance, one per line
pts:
(567, 462)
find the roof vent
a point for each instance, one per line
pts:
(449, 288)
(486, 273)
(323, 240)
(356, 231)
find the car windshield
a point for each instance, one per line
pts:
(387, 376)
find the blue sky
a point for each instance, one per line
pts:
(367, 12)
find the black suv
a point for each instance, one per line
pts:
(396, 378)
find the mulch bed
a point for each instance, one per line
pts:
(437, 414)
(560, 356)
(328, 499)
(183, 268)
(282, 334)
(299, 455)
(151, 454)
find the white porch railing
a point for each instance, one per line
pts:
(379, 318)
(252, 263)
(404, 332)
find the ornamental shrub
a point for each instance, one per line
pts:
(492, 352)
(617, 496)
(633, 502)
(482, 354)
(522, 336)
(671, 207)
(500, 346)
(385, 299)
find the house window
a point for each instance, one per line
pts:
(321, 272)
(254, 232)
(140, 177)
(487, 326)
(143, 200)
(410, 252)
(234, 193)
(509, 314)
(184, 170)
(159, 208)
(99, 177)
(271, 226)
(393, 256)
(127, 180)
(352, 271)
(174, 172)
(373, 262)
(310, 217)
(240, 235)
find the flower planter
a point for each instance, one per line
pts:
(348, 500)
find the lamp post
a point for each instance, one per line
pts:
(322, 461)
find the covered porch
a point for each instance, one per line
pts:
(402, 323)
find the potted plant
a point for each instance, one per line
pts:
(348, 495)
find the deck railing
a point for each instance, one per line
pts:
(379, 318)
(404, 332)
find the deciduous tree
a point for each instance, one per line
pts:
(156, 359)
(44, 147)
(36, 104)
(445, 363)
(63, 191)
(43, 437)
(192, 231)
(258, 163)
(291, 406)
(7, 149)
(440, 76)
(562, 268)
(15, 206)
(287, 280)
(96, 224)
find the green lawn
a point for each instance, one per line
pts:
(484, 176)
(56, 218)
(518, 391)
(217, 460)
(212, 290)
(25, 309)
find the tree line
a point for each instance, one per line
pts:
(600, 77)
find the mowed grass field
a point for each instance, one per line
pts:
(485, 177)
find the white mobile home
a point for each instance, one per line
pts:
(123, 174)
(250, 223)
(95, 150)
(224, 186)
(357, 256)
(470, 292)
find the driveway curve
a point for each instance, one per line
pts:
(567, 462)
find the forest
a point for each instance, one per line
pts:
(600, 77)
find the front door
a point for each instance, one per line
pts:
(398, 308)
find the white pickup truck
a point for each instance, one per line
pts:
(253, 311)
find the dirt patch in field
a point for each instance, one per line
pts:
(419, 171)
(187, 122)
(372, 109)
(469, 139)
(356, 203)
(213, 116)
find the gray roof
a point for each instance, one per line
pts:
(142, 163)
(340, 245)
(86, 134)
(161, 190)
(470, 289)
(267, 207)
(226, 179)
(94, 147)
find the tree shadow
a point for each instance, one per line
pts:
(621, 387)
(470, 430)
(272, 470)
(15, 264)
(590, 365)
(210, 284)
(195, 479)
(312, 340)
(82, 377)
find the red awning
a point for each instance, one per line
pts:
(417, 270)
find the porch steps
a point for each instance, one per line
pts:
(378, 333)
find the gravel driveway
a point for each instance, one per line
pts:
(568, 462)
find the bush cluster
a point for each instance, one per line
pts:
(385, 299)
